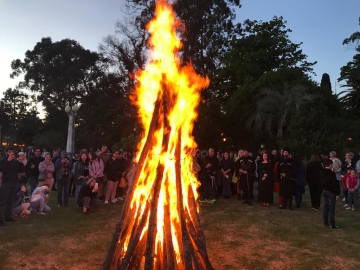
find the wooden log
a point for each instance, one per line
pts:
(186, 245)
(134, 240)
(112, 256)
(168, 242)
(152, 230)
(138, 254)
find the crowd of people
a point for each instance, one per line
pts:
(284, 174)
(28, 178)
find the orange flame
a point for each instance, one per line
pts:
(164, 71)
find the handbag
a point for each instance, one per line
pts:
(122, 182)
(41, 177)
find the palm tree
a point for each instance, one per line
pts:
(275, 108)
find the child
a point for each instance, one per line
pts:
(344, 180)
(352, 184)
(330, 193)
(20, 207)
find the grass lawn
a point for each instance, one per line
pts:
(238, 237)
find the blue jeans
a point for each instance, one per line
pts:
(329, 200)
(352, 198)
(63, 185)
(298, 194)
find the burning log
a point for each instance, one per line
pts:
(159, 227)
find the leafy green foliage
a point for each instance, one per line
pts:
(60, 73)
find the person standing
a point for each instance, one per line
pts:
(299, 179)
(56, 155)
(312, 176)
(113, 171)
(336, 168)
(266, 180)
(246, 170)
(214, 161)
(10, 169)
(47, 168)
(104, 156)
(81, 173)
(330, 194)
(32, 167)
(286, 178)
(63, 174)
(226, 169)
(352, 184)
(96, 170)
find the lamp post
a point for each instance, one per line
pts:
(71, 112)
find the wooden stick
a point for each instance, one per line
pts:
(114, 248)
(150, 245)
(168, 247)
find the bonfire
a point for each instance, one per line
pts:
(159, 227)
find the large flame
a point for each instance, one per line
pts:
(164, 71)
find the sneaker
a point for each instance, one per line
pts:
(343, 200)
(346, 205)
(335, 227)
(113, 201)
(59, 205)
(315, 208)
(353, 208)
(122, 198)
(106, 202)
(348, 208)
(41, 213)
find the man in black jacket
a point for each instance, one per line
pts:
(32, 167)
(330, 194)
(10, 168)
(246, 169)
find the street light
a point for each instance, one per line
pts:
(71, 112)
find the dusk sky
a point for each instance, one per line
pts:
(321, 25)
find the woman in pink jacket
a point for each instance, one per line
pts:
(96, 171)
(47, 168)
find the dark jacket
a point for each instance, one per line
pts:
(113, 169)
(313, 171)
(226, 164)
(300, 175)
(10, 170)
(214, 163)
(34, 172)
(286, 183)
(329, 182)
(80, 169)
(19, 199)
(85, 191)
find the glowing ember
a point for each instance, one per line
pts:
(159, 227)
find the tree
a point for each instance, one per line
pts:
(312, 130)
(275, 109)
(15, 103)
(49, 139)
(351, 75)
(60, 73)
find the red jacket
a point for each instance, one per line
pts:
(344, 180)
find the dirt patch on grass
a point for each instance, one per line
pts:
(342, 263)
(245, 249)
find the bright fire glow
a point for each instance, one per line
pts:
(164, 71)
